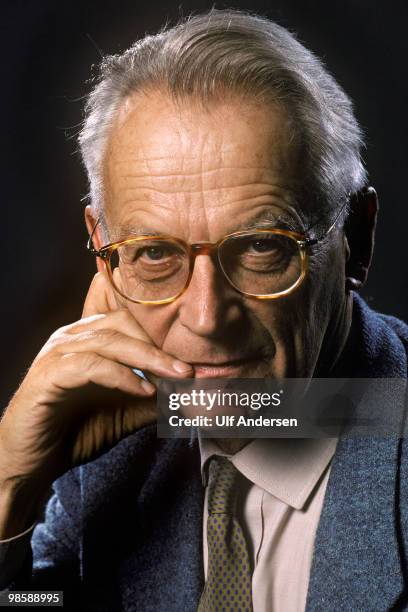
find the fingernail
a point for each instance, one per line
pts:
(148, 387)
(181, 367)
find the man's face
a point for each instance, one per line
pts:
(199, 175)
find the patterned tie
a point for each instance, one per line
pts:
(228, 586)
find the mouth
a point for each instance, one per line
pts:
(234, 368)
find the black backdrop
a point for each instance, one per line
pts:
(48, 50)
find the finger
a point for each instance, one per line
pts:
(118, 347)
(81, 369)
(118, 320)
(101, 296)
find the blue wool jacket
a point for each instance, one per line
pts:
(124, 532)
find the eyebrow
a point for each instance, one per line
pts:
(286, 219)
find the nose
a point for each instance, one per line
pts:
(209, 306)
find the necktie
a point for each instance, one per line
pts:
(228, 586)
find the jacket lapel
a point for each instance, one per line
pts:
(142, 505)
(167, 555)
(356, 564)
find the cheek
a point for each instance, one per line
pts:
(324, 295)
(286, 317)
(298, 323)
(154, 320)
(287, 323)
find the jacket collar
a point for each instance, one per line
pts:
(356, 563)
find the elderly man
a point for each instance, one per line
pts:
(232, 224)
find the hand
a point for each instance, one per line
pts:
(80, 395)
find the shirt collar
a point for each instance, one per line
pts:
(287, 468)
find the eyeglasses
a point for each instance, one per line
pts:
(261, 263)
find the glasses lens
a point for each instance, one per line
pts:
(262, 263)
(151, 269)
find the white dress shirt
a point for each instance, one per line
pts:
(280, 498)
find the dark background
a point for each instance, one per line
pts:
(48, 50)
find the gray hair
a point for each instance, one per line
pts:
(232, 51)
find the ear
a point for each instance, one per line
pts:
(91, 221)
(359, 232)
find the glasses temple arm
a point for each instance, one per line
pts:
(313, 241)
(89, 244)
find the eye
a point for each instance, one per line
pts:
(148, 252)
(269, 253)
(269, 246)
(155, 253)
(264, 245)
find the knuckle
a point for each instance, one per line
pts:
(80, 361)
(70, 361)
(106, 335)
(86, 337)
(154, 353)
(64, 329)
(57, 344)
(97, 363)
(49, 348)
(58, 333)
(61, 336)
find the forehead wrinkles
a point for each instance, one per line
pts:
(206, 162)
(160, 150)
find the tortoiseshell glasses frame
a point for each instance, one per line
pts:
(302, 241)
